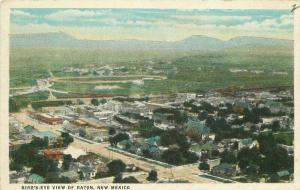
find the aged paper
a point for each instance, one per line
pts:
(149, 94)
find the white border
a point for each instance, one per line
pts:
(163, 4)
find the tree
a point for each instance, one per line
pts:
(265, 112)
(82, 132)
(15, 166)
(81, 176)
(67, 161)
(251, 116)
(43, 166)
(80, 102)
(228, 157)
(67, 138)
(118, 138)
(25, 155)
(64, 180)
(103, 101)
(95, 102)
(13, 106)
(248, 156)
(118, 178)
(204, 166)
(147, 129)
(278, 160)
(210, 122)
(275, 126)
(112, 131)
(116, 167)
(40, 143)
(172, 156)
(152, 175)
(146, 153)
(129, 179)
(190, 157)
(174, 137)
(267, 143)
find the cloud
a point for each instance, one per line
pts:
(71, 14)
(285, 22)
(32, 28)
(213, 18)
(20, 13)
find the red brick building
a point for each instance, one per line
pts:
(49, 119)
(53, 154)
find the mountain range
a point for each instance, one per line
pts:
(197, 42)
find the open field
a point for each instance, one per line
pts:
(27, 65)
(183, 71)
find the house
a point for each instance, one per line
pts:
(213, 162)
(164, 126)
(124, 144)
(197, 130)
(154, 141)
(184, 97)
(87, 171)
(206, 150)
(53, 154)
(102, 168)
(86, 158)
(113, 106)
(248, 142)
(127, 121)
(72, 176)
(35, 178)
(71, 128)
(283, 174)
(224, 169)
(28, 129)
(275, 107)
(52, 137)
(240, 106)
(162, 117)
(155, 151)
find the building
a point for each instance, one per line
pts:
(197, 130)
(53, 154)
(35, 178)
(28, 129)
(52, 137)
(224, 169)
(127, 121)
(249, 143)
(184, 97)
(87, 171)
(49, 119)
(213, 162)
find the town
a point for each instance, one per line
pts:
(216, 136)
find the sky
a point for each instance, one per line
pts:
(153, 24)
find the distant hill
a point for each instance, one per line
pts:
(63, 40)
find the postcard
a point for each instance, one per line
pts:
(143, 95)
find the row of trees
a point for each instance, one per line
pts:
(97, 102)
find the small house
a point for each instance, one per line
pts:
(224, 169)
(35, 178)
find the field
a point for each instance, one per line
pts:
(245, 67)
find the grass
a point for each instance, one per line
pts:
(186, 71)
